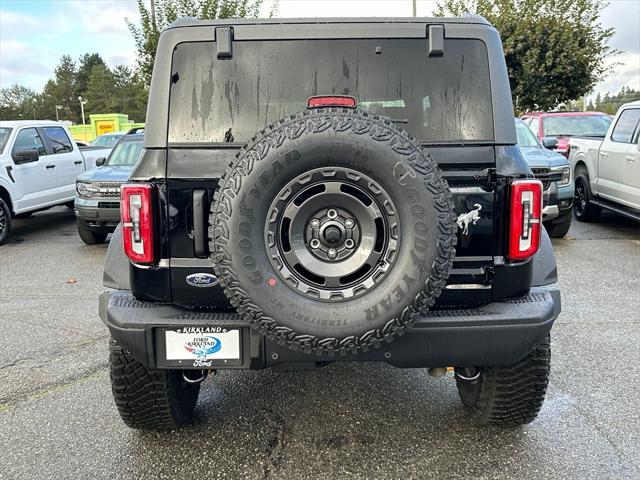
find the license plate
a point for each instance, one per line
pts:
(202, 346)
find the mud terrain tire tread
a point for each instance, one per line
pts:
(509, 396)
(149, 399)
(309, 122)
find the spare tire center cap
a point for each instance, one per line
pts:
(332, 234)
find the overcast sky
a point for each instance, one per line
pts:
(35, 33)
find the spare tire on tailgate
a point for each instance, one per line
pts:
(332, 230)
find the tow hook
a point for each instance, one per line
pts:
(468, 374)
(203, 374)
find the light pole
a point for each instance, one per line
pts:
(58, 107)
(414, 8)
(82, 102)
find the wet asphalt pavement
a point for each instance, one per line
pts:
(58, 420)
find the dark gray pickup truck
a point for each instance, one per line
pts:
(315, 191)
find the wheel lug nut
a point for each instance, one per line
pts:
(314, 243)
(349, 243)
(315, 223)
(348, 223)
(332, 253)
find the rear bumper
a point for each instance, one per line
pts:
(498, 333)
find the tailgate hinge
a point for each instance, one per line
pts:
(491, 177)
(224, 42)
(435, 36)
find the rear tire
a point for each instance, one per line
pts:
(559, 227)
(584, 210)
(91, 238)
(5, 221)
(508, 396)
(149, 399)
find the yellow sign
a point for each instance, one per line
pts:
(103, 127)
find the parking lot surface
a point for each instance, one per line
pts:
(58, 420)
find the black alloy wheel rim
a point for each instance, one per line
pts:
(332, 234)
(581, 199)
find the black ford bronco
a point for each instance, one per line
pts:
(313, 191)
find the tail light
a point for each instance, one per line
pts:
(525, 218)
(136, 214)
(331, 101)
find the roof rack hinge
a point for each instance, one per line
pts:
(224, 42)
(435, 34)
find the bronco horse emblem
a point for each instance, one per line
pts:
(470, 217)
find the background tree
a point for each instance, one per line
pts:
(611, 103)
(162, 12)
(554, 49)
(62, 90)
(85, 65)
(118, 90)
(129, 93)
(19, 102)
(100, 90)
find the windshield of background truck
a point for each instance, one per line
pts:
(585, 125)
(526, 138)
(439, 99)
(125, 153)
(106, 141)
(4, 137)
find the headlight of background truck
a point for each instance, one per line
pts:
(566, 175)
(86, 190)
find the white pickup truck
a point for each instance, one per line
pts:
(607, 171)
(39, 163)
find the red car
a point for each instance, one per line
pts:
(555, 128)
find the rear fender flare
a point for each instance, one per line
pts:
(116, 266)
(544, 268)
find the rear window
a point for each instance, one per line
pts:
(436, 99)
(585, 125)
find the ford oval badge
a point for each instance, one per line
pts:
(202, 280)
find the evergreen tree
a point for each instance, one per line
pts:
(61, 90)
(100, 93)
(86, 64)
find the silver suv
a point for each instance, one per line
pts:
(97, 203)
